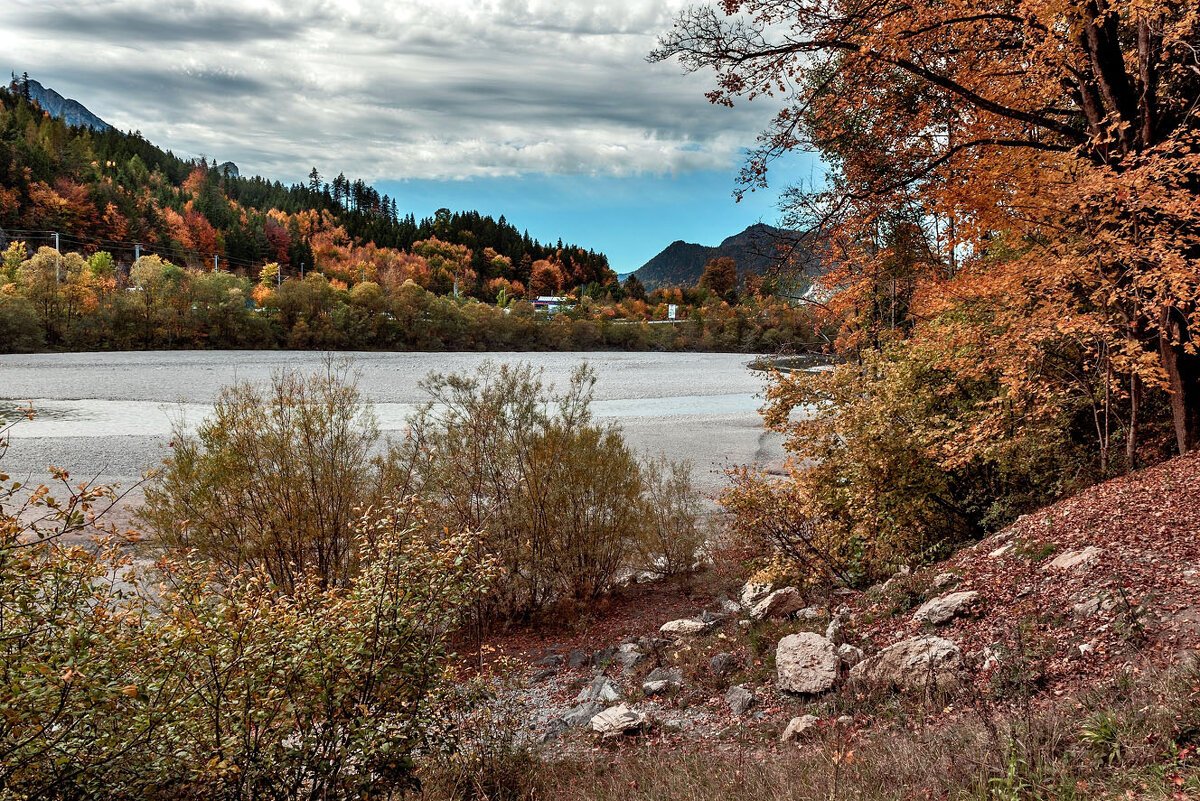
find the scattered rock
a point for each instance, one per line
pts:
(1003, 550)
(618, 720)
(739, 699)
(545, 673)
(808, 613)
(602, 688)
(753, 592)
(553, 660)
(849, 655)
(577, 658)
(731, 607)
(780, 603)
(943, 609)
(944, 581)
(805, 663)
(1073, 559)
(722, 665)
(685, 627)
(913, 664)
(1094, 606)
(711, 618)
(799, 729)
(582, 714)
(603, 657)
(844, 722)
(835, 632)
(662, 680)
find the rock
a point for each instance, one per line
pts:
(686, 627)
(577, 658)
(629, 656)
(780, 603)
(849, 655)
(553, 660)
(753, 592)
(1003, 550)
(711, 618)
(808, 613)
(1073, 559)
(545, 673)
(944, 581)
(618, 720)
(1094, 606)
(913, 664)
(730, 607)
(805, 663)
(722, 665)
(835, 631)
(602, 688)
(739, 699)
(582, 714)
(603, 657)
(940, 610)
(554, 730)
(844, 722)
(662, 680)
(652, 644)
(799, 729)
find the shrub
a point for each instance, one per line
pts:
(274, 478)
(220, 687)
(672, 539)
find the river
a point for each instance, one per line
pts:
(108, 415)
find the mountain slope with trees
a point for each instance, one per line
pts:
(756, 250)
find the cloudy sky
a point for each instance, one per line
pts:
(543, 110)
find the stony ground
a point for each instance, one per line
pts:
(1102, 584)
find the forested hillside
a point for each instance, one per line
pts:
(115, 191)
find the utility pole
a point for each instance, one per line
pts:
(301, 271)
(137, 252)
(215, 267)
(279, 277)
(57, 260)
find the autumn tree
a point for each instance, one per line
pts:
(720, 276)
(1065, 131)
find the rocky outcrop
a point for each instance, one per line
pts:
(914, 664)
(805, 663)
(1074, 559)
(945, 608)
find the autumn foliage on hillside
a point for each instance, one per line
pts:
(1013, 209)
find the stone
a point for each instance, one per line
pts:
(945, 608)
(805, 663)
(685, 627)
(577, 658)
(731, 607)
(753, 592)
(711, 618)
(1094, 606)
(582, 714)
(722, 665)
(662, 680)
(912, 665)
(629, 656)
(602, 688)
(835, 632)
(603, 657)
(844, 722)
(1073, 559)
(799, 729)
(849, 655)
(780, 603)
(544, 673)
(554, 730)
(553, 660)
(739, 699)
(944, 581)
(808, 613)
(618, 720)
(1003, 550)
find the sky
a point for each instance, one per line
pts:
(545, 111)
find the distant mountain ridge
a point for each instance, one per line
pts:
(682, 263)
(72, 112)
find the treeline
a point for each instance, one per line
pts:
(111, 190)
(66, 301)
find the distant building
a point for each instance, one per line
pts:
(552, 303)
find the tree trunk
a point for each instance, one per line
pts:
(1135, 402)
(1183, 377)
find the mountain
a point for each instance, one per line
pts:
(682, 263)
(72, 112)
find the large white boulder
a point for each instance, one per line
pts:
(618, 720)
(914, 664)
(685, 627)
(805, 663)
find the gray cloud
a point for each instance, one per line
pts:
(385, 90)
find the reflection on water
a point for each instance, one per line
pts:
(107, 418)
